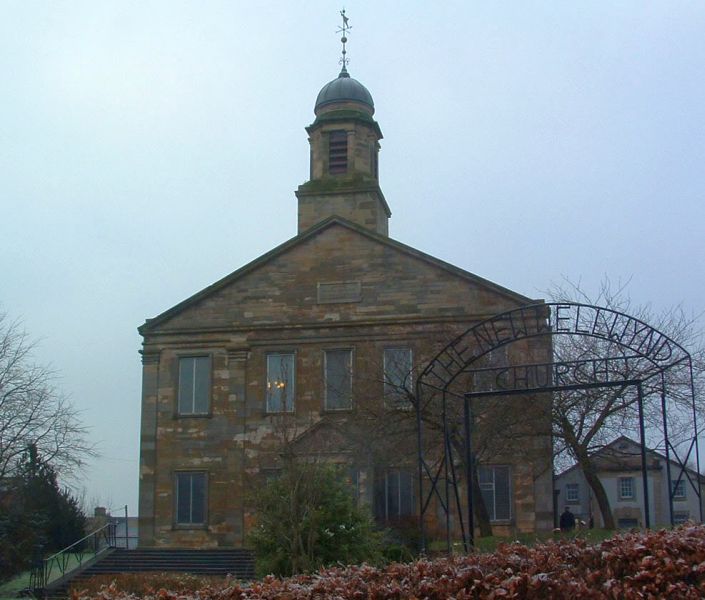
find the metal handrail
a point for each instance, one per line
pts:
(82, 550)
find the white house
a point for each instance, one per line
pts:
(619, 470)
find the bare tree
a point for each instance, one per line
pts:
(586, 420)
(33, 412)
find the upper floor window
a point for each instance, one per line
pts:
(496, 491)
(625, 487)
(194, 385)
(337, 152)
(191, 498)
(678, 487)
(338, 378)
(397, 377)
(280, 382)
(572, 491)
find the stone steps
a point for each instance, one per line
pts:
(237, 562)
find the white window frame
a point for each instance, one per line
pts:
(572, 493)
(621, 481)
(350, 356)
(183, 361)
(269, 383)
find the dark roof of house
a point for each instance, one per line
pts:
(150, 324)
(612, 457)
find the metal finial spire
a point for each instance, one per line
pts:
(344, 38)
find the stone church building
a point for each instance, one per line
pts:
(313, 348)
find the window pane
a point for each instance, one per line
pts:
(338, 379)
(194, 384)
(202, 375)
(406, 493)
(571, 492)
(280, 383)
(626, 487)
(185, 385)
(190, 498)
(502, 493)
(183, 498)
(397, 375)
(393, 494)
(198, 498)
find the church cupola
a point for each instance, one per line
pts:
(344, 143)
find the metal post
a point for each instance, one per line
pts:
(422, 532)
(469, 472)
(127, 539)
(449, 457)
(667, 443)
(695, 432)
(642, 434)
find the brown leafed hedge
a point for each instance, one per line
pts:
(662, 564)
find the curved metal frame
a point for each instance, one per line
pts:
(649, 348)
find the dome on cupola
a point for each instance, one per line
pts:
(344, 90)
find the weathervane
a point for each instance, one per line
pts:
(344, 38)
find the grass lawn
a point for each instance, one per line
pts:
(10, 588)
(489, 544)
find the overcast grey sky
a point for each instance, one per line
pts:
(149, 148)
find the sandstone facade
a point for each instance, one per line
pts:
(341, 290)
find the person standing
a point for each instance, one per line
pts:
(567, 522)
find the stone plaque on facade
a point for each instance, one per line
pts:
(338, 292)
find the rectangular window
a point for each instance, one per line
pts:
(496, 491)
(626, 488)
(680, 517)
(627, 523)
(191, 498)
(194, 385)
(398, 377)
(280, 382)
(394, 495)
(678, 488)
(338, 379)
(572, 493)
(337, 152)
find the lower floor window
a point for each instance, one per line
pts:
(394, 495)
(680, 517)
(496, 491)
(191, 498)
(627, 523)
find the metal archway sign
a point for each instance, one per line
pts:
(644, 353)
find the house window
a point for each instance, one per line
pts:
(496, 493)
(627, 523)
(572, 492)
(280, 382)
(337, 152)
(398, 377)
(678, 487)
(625, 487)
(194, 385)
(191, 498)
(394, 495)
(680, 517)
(338, 379)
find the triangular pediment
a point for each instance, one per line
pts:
(289, 285)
